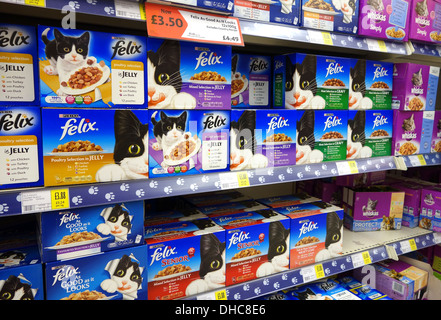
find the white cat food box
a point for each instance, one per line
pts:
(185, 258)
(188, 75)
(262, 138)
(90, 69)
(92, 145)
(316, 232)
(281, 11)
(113, 275)
(257, 244)
(21, 143)
(18, 65)
(79, 232)
(186, 142)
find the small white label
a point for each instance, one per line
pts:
(36, 201)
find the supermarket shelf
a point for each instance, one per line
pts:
(359, 249)
(132, 190)
(427, 159)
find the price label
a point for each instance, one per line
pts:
(376, 45)
(60, 199)
(232, 180)
(319, 271)
(347, 167)
(221, 295)
(35, 201)
(312, 273)
(182, 24)
(242, 178)
(38, 3)
(417, 160)
(361, 259)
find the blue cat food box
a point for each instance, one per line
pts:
(250, 81)
(284, 12)
(188, 75)
(185, 258)
(92, 145)
(370, 85)
(262, 138)
(287, 200)
(321, 136)
(221, 5)
(113, 275)
(221, 209)
(186, 142)
(20, 147)
(84, 231)
(307, 81)
(316, 232)
(18, 65)
(90, 69)
(257, 244)
(220, 197)
(369, 133)
(161, 217)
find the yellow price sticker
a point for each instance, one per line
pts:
(353, 166)
(221, 295)
(382, 46)
(421, 159)
(142, 10)
(413, 245)
(242, 179)
(60, 199)
(366, 257)
(319, 271)
(39, 3)
(327, 39)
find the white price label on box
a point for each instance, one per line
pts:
(347, 167)
(361, 259)
(36, 201)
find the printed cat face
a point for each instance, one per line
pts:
(14, 289)
(72, 49)
(212, 259)
(357, 89)
(356, 134)
(170, 129)
(11, 258)
(305, 136)
(417, 78)
(334, 233)
(127, 275)
(409, 124)
(301, 84)
(278, 250)
(376, 4)
(119, 221)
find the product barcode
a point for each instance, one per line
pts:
(28, 208)
(398, 287)
(126, 14)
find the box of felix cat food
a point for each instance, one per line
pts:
(188, 75)
(18, 65)
(92, 145)
(80, 68)
(284, 12)
(113, 275)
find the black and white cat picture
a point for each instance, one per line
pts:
(356, 147)
(357, 89)
(305, 148)
(14, 289)
(334, 238)
(117, 222)
(130, 150)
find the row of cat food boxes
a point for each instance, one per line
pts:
(56, 147)
(76, 68)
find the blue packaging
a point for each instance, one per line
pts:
(84, 231)
(114, 275)
(185, 142)
(106, 70)
(250, 81)
(18, 65)
(20, 147)
(426, 131)
(363, 291)
(284, 12)
(221, 5)
(432, 88)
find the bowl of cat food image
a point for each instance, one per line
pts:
(332, 136)
(435, 36)
(88, 295)
(379, 134)
(85, 78)
(415, 104)
(76, 148)
(379, 86)
(395, 33)
(320, 7)
(407, 148)
(333, 83)
(207, 77)
(238, 84)
(172, 271)
(182, 150)
(77, 239)
(246, 254)
(277, 139)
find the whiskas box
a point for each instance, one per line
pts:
(307, 81)
(185, 142)
(316, 232)
(328, 191)
(188, 75)
(286, 12)
(21, 155)
(412, 203)
(81, 68)
(185, 258)
(321, 136)
(257, 244)
(18, 65)
(84, 231)
(410, 82)
(412, 132)
(423, 26)
(369, 133)
(432, 88)
(370, 85)
(435, 145)
(385, 19)
(288, 200)
(430, 215)
(114, 275)
(373, 208)
(250, 81)
(262, 138)
(330, 15)
(231, 208)
(91, 145)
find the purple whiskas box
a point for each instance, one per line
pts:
(436, 133)
(410, 83)
(188, 75)
(430, 215)
(424, 21)
(373, 208)
(114, 275)
(384, 19)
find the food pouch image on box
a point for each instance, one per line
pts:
(188, 75)
(250, 81)
(424, 21)
(262, 138)
(21, 156)
(410, 83)
(81, 68)
(93, 145)
(321, 136)
(370, 85)
(281, 11)
(183, 142)
(18, 65)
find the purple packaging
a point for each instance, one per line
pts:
(373, 208)
(412, 203)
(436, 133)
(425, 20)
(386, 19)
(430, 215)
(410, 86)
(329, 192)
(361, 179)
(407, 132)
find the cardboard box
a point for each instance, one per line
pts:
(410, 83)
(112, 155)
(422, 24)
(435, 145)
(432, 88)
(185, 142)
(288, 200)
(161, 217)
(262, 138)
(412, 203)
(430, 215)
(221, 209)
(114, 275)
(106, 70)
(287, 12)
(363, 291)
(361, 179)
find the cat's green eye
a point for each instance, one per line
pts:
(242, 143)
(169, 127)
(134, 149)
(6, 296)
(355, 86)
(125, 224)
(303, 140)
(280, 249)
(305, 84)
(112, 219)
(66, 49)
(288, 85)
(179, 127)
(120, 273)
(355, 137)
(335, 237)
(163, 77)
(134, 277)
(80, 50)
(215, 264)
